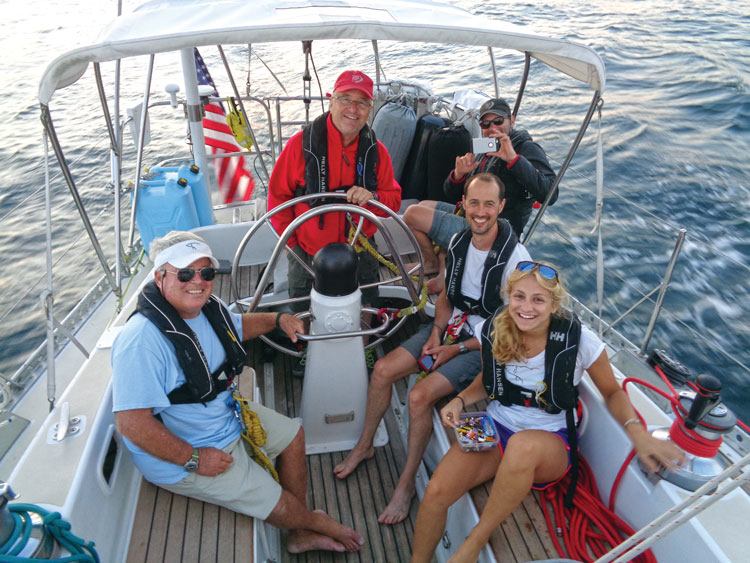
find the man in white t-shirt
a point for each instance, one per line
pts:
(479, 260)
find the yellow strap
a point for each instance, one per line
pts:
(255, 435)
(238, 125)
(364, 245)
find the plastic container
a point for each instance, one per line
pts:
(164, 207)
(196, 179)
(202, 199)
(476, 432)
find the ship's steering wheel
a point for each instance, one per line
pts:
(251, 304)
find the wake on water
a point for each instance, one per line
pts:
(676, 129)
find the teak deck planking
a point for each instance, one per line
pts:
(170, 527)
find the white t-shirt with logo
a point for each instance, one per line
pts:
(530, 375)
(471, 281)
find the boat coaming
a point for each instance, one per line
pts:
(92, 485)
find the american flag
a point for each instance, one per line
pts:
(235, 182)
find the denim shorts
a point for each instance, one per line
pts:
(445, 224)
(460, 370)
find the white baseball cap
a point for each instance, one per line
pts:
(184, 253)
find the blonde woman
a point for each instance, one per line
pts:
(531, 352)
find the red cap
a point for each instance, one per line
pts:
(354, 80)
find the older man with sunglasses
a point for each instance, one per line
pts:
(173, 364)
(519, 162)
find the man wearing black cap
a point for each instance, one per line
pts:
(519, 162)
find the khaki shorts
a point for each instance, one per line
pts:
(245, 487)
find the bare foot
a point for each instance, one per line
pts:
(355, 457)
(348, 537)
(306, 540)
(398, 509)
(435, 285)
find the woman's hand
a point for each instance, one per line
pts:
(451, 412)
(656, 453)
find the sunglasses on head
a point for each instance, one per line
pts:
(485, 124)
(546, 271)
(186, 274)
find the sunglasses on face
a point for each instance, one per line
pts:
(186, 274)
(485, 124)
(546, 271)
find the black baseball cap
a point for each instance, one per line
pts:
(495, 105)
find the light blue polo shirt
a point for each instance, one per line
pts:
(145, 369)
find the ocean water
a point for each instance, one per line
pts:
(675, 123)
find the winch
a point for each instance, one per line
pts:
(701, 420)
(24, 535)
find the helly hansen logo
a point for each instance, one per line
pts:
(559, 336)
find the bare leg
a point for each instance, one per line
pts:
(421, 400)
(531, 456)
(292, 467)
(397, 364)
(309, 530)
(419, 217)
(457, 473)
(436, 284)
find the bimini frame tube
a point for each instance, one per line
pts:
(50, 128)
(139, 154)
(522, 87)
(564, 167)
(494, 72)
(115, 158)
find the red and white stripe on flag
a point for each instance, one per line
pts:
(235, 181)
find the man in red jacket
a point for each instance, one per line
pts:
(336, 152)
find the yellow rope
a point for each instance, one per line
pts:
(363, 245)
(255, 435)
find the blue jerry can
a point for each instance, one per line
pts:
(165, 206)
(202, 198)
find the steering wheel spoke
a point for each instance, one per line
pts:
(381, 331)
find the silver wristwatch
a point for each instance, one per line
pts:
(192, 464)
(462, 349)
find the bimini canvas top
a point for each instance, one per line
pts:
(170, 25)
